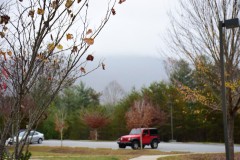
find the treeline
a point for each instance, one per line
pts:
(194, 115)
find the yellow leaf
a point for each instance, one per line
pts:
(69, 36)
(2, 34)
(59, 47)
(51, 47)
(89, 31)
(40, 11)
(69, 3)
(89, 41)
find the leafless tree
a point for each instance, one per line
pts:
(112, 93)
(60, 124)
(194, 34)
(43, 48)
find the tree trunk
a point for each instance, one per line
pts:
(61, 134)
(96, 134)
(231, 136)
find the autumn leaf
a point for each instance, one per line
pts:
(50, 47)
(54, 4)
(89, 41)
(2, 34)
(60, 47)
(69, 3)
(121, 1)
(40, 11)
(4, 55)
(89, 31)
(69, 36)
(31, 13)
(5, 28)
(103, 66)
(113, 11)
(9, 53)
(83, 70)
(90, 57)
(4, 19)
(75, 49)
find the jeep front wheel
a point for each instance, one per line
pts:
(135, 145)
(154, 144)
(122, 146)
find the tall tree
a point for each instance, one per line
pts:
(143, 114)
(43, 44)
(95, 118)
(112, 94)
(194, 34)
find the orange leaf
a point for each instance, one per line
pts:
(89, 41)
(69, 36)
(40, 11)
(89, 31)
(69, 3)
(90, 57)
(9, 53)
(83, 70)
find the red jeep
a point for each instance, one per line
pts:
(149, 137)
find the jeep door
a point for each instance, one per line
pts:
(146, 138)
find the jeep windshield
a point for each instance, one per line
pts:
(135, 131)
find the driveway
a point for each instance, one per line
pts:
(165, 147)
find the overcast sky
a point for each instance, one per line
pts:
(130, 44)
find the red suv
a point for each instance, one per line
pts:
(149, 137)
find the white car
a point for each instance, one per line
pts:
(33, 137)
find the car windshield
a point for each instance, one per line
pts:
(135, 131)
(21, 134)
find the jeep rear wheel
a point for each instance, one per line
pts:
(135, 145)
(154, 144)
(122, 146)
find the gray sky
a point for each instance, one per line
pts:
(136, 29)
(130, 44)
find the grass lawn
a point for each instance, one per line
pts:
(213, 156)
(77, 153)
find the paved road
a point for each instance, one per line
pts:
(167, 147)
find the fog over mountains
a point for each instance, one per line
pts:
(128, 71)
